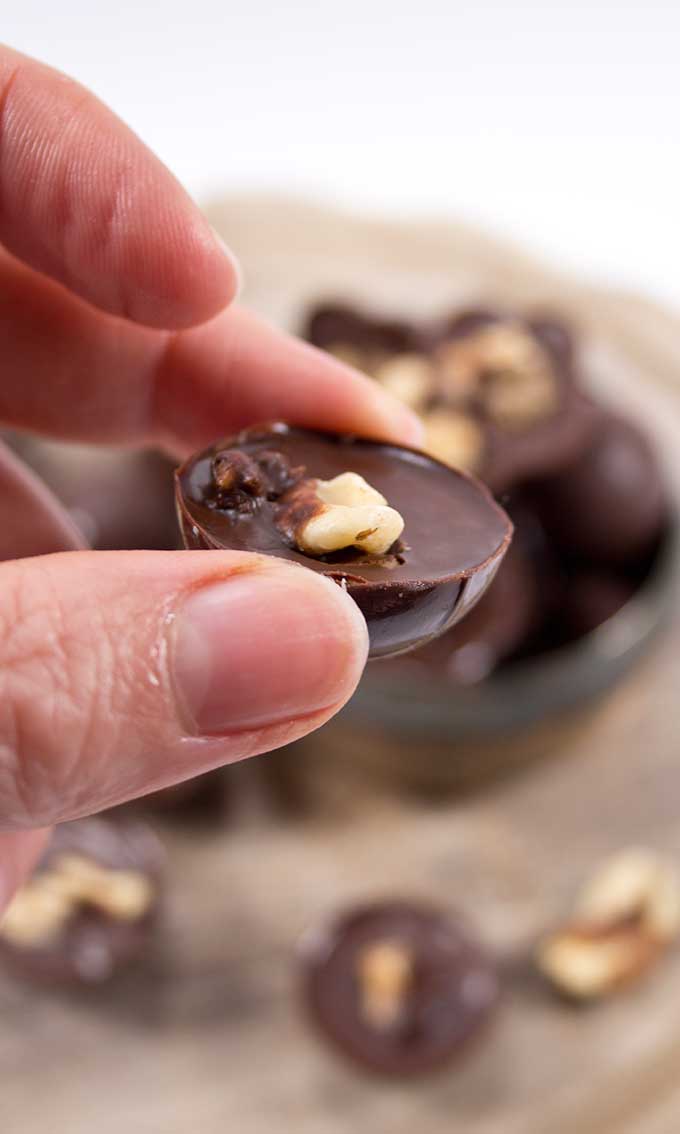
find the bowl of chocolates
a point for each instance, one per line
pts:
(588, 578)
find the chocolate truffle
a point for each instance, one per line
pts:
(499, 394)
(609, 506)
(399, 987)
(413, 542)
(91, 906)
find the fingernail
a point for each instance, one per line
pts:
(264, 647)
(238, 272)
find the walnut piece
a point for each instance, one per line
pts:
(384, 973)
(636, 884)
(624, 917)
(585, 965)
(41, 908)
(505, 368)
(453, 437)
(459, 368)
(408, 377)
(328, 515)
(518, 399)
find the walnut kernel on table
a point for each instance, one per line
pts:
(625, 917)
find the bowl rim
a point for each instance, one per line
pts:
(531, 689)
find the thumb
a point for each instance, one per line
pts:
(123, 672)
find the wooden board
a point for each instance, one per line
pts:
(209, 1038)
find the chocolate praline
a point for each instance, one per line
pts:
(399, 987)
(453, 541)
(610, 506)
(91, 944)
(537, 358)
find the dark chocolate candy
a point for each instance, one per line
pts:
(499, 394)
(592, 598)
(609, 506)
(501, 620)
(337, 326)
(399, 987)
(90, 908)
(453, 541)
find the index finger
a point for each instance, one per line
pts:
(84, 201)
(70, 372)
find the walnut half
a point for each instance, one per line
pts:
(323, 516)
(41, 908)
(624, 917)
(384, 973)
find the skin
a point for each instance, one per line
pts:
(124, 672)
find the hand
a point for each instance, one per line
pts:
(124, 672)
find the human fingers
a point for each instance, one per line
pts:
(69, 371)
(123, 672)
(84, 201)
(32, 521)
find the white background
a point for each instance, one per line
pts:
(555, 123)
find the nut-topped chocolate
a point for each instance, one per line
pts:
(90, 907)
(498, 393)
(414, 542)
(398, 986)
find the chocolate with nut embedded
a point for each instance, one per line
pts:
(90, 908)
(498, 393)
(399, 987)
(414, 542)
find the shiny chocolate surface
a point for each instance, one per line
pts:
(447, 987)
(453, 541)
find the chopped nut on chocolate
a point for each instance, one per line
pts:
(624, 917)
(517, 399)
(323, 516)
(44, 905)
(384, 971)
(506, 369)
(408, 377)
(238, 479)
(458, 368)
(37, 913)
(507, 346)
(240, 482)
(348, 488)
(453, 437)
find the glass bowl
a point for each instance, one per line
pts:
(430, 736)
